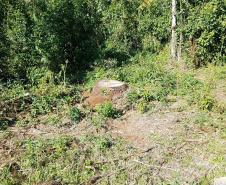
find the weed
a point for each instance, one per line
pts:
(84, 138)
(3, 124)
(55, 121)
(147, 95)
(201, 119)
(41, 105)
(102, 143)
(105, 91)
(98, 121)
(218, 159)
(107, 110)
(181, 109)
(206, 100)
(7, 134)
(142, 107)
(76, 115)
(132, 96)
(21, 123)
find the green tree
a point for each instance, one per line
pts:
(205, 31)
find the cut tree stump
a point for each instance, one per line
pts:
(220, 181)
(105, 90)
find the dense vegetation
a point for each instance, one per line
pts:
(53, 51)
(40, 35)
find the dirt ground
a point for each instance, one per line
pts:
(180, 145)
(175, 140)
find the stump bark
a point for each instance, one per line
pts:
(106, 90)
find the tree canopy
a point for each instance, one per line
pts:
(40, 34)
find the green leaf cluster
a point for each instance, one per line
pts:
(205, 31)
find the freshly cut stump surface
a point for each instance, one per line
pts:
(220, 181)
(104, 90)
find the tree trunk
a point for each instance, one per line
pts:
(173, 44)
(179, 50)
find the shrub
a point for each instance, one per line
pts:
(205, 33)
(76, 115)
(107, 110)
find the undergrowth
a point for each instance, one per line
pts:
(152, 87)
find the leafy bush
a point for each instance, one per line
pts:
(132, 96)
(206, 101)
(41, 105)
(46, 34)
(107, 110)
(3, 124)
(206, 32)
(76, 115)
(102, 143)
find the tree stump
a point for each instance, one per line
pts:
(220, 181)
(106, 90)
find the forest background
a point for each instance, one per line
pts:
(40, 35)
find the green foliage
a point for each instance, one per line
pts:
(17, 39)
(3, 124)
(104, 33)
(132, 95)
(133, 26)
(206, 32)
(107, 110)
(41, 105)
(40, 33)
(3, 41)
(76, 115)
(206, 100)
(70, 31)
(142, 107)
(147, 95)
(102, 143)
(37, 76)
(201, 119)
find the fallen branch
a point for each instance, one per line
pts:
(93, 179)
(190, 85)
(154, 166)
(125, 157)
(204, 175)
(179, 147)
(192, 140)
(97, 178)
(17, 98)
(196, 140)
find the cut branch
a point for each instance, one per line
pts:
(125, 157)
(97, 178)
(154, 166)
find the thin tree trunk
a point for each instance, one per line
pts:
(179, 49)
(173, 44)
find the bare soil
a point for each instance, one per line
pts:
(180, 146)
(175, 140)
